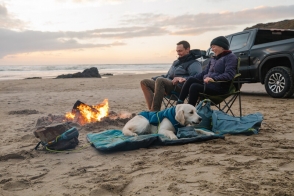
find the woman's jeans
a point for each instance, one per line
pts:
(193, 87)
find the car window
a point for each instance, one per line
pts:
(209, 53)
(239, 41)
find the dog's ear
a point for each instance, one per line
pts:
(180, 116)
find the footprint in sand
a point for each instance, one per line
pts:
(16, 185)
(11, 156)
(101, 191)
(28, 137)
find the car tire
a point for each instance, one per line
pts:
(279, 82)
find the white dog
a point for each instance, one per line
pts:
(167, 121)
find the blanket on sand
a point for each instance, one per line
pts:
(115, 140)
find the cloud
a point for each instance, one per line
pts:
(199, 31)
(205, 22)
(8, 21)
(216, 1)
(31, 41)
(132, 26)
(124, 32)
(99, 1)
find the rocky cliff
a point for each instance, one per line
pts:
(285, 24)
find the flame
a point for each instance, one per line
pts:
(88, 114)
(69, 116)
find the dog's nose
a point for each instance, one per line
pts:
(198, 121)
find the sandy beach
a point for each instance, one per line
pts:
(261, 164)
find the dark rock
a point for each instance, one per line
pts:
(87, 73)
(34, 78)
(92, 72)
(107, 74)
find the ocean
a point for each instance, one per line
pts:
(16, 72)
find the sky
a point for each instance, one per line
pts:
(65, 32)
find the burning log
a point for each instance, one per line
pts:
(83, 113)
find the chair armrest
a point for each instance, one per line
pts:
(236, 76)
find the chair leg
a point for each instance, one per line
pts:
(169, 102)
(216, 105)
(229, 104)
(164, 102)
(240, 105)
(229, 109)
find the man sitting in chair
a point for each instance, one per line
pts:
(156, 88)
(222, 67)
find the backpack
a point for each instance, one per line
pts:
(57, 137)
(205, 112)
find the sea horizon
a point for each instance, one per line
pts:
(15, 72)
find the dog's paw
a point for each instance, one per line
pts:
(173, 137)
(129, 133)
(134, 134)
(209, 133)
(199, 131)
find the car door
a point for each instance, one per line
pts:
(239, 45)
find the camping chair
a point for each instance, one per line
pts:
(171, 99)
(228, 99)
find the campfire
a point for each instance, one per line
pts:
(92, 118)
(83, 113)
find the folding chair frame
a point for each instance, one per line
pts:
(227, 104)
(170, 100)
(233, 93)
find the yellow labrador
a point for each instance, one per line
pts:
(164, 122)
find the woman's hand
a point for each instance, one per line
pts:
(208, 79)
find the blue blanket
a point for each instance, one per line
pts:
(115, 140)
(223, 123)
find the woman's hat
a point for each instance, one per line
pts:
(221, 41)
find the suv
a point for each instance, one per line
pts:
(267, 56)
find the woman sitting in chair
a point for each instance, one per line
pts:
(221, 67)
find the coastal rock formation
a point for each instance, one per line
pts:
(107, 74)
(87, 73)
(284, 24)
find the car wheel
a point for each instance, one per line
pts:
(279, 82)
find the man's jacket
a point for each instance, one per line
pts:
(183, 67)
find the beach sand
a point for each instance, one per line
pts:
(259, 164)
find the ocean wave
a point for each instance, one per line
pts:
(51, 71)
